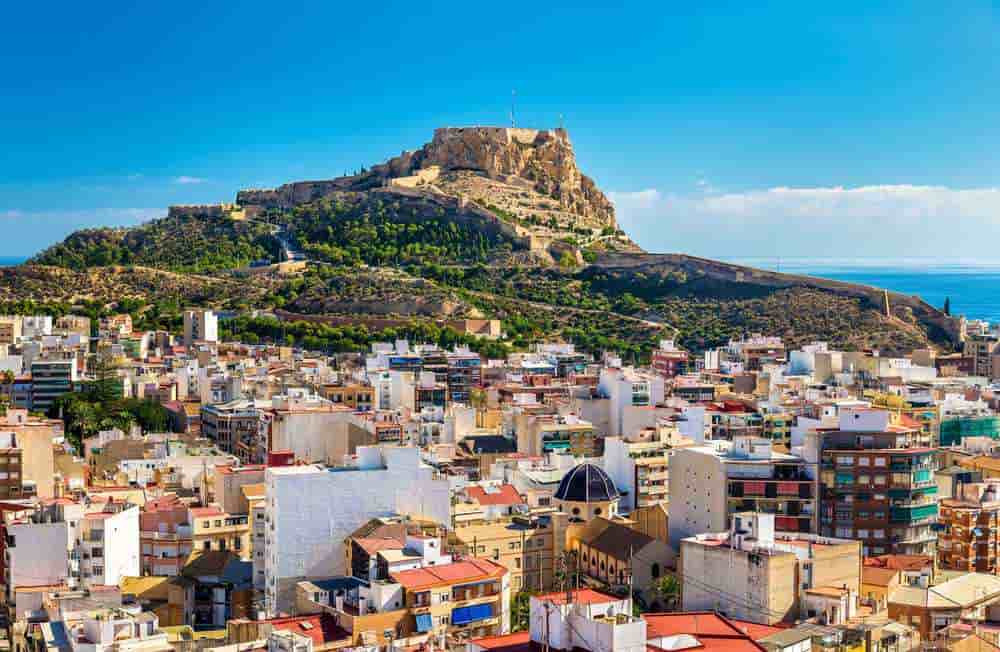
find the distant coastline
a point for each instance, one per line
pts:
(969, 284)
(11, 261)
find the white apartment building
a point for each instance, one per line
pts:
(627, 388)
(312, 509)
(200, 326)
(711, 482)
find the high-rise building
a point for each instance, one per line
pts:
(877, 484)
(711, 482)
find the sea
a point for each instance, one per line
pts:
(971, 286)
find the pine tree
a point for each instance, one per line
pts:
(947, 305)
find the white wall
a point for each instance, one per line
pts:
(313, 509)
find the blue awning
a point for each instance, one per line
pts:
(464, 615)
(424, 623)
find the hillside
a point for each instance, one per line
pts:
(479, 222)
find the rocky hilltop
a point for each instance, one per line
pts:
(537, 166)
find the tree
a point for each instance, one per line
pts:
(947, 306)
(668, 592)
(520, 611)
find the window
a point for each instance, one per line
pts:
(655, 571)
(576, 511)
(864, 479)
(206, 524)
(206, 545)
(880, 479)
(862, 534)
(880, 461)
(846, 460)
(864, 461)
(218, 524)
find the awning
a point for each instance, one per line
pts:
(424, 623)
(464, 615)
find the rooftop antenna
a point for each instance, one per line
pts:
(562, 126)
(513, 97)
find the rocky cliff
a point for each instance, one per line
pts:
(539, 161)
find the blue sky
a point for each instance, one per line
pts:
(717, 130)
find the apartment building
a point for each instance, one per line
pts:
(538, 434)
(465, 373)
(469, 598)
(668, 360)
(981, 348)
(165, 536)
(214, 529)
(711, 482)
(413, 591)
(640, 468)
(50, 379)
(967, 533)
(200, 326)
(10, 329)
(625, 388)
(877, 484)
(755, 573)
(523, 545)
(312, 428)
(233, 425)
(28, 441)
(312, 509)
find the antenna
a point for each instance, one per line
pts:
(513, 97)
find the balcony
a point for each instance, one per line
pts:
(913, 513)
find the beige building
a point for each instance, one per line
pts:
(33, 436)
(523, 546)
(538, 434)
(754, 573)
(214, 529)
(10, 329)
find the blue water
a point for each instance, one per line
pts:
(8, 261)
(972, 285)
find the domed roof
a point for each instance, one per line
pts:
(587, 483)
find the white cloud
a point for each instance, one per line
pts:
(186, 180)
(922, 220)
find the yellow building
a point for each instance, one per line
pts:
(214, 529)
(905, 413)
(525, 549)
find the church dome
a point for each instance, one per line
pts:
(586, 483)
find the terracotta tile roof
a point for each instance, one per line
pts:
(715, 633)
(756, 631)
(579, 596)
(505, 495)
(321, 628)
(373, 545)
(518, 642)
(877, 576)
(459, 572)
(900, 562)
(201, 512)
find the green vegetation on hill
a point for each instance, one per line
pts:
(353, 228)
(179, 243)
(346, 339)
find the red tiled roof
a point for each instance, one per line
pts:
(579, 596)
(506, 495)
(507, 643)
(467, 570)
(715, 633)
(756, 631)
(373, 545)
(900, 562)
(321, 628)
(201, 512)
